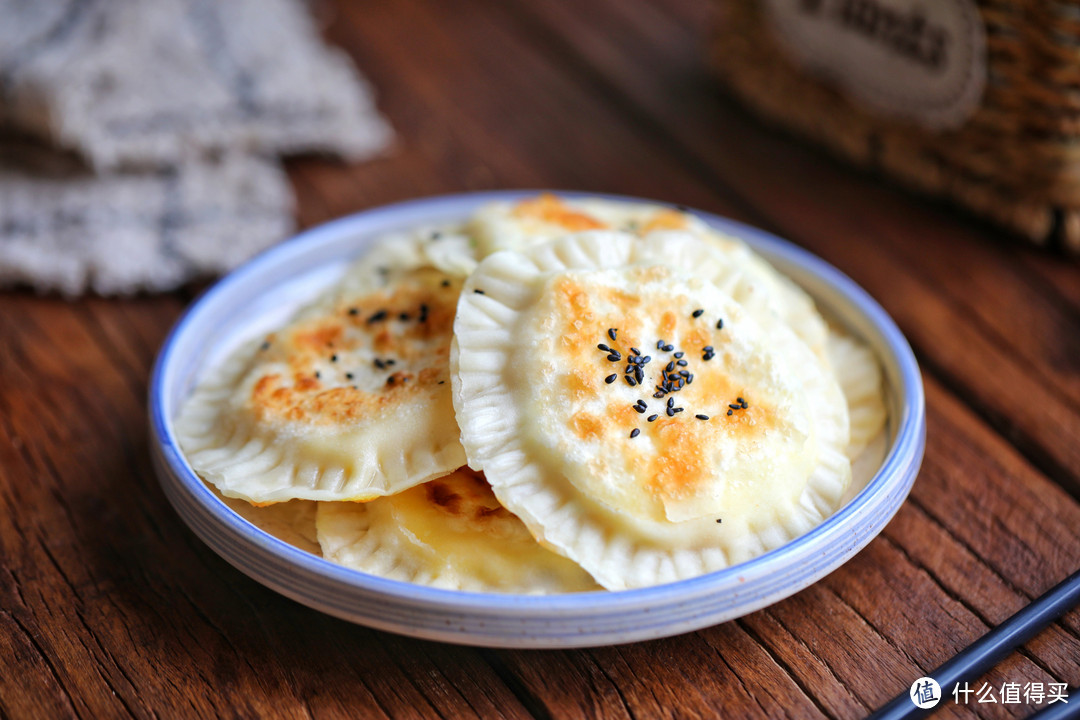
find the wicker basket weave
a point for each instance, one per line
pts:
(1015, 160)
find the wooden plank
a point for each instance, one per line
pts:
(115, 606)
(1022, 371)
(470, 119)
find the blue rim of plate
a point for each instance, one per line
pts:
(885, 491)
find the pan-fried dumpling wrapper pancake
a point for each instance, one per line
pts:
(292, 522)
(636, 502)
(860, 378)
(349, 402)
(533, 221)
(447, 248)
(450, 533)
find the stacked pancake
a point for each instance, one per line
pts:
(555, 396)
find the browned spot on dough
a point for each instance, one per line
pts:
(319, 337)
(264, 387)
(665, 220)
(679, 465)
(694, 340)
(587, 426)
(440, 494)
(399, 378)
(549, 208)
(465, 493)
(581, 383)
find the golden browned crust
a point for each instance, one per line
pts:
(412, 323)
(467, 495)
(551, 209)
(676, 458)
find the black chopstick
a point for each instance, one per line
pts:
(983, 654)
(1059, 710)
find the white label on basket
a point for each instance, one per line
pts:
(920, 59)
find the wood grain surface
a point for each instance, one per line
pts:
(110, 607)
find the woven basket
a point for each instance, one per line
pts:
(1014, 160)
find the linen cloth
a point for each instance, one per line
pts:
(176, 112)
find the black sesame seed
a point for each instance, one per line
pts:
(678, 410)
(719, 520)
(702, 417)
(689, 378)
(390, 361)
(630, 381)
(670, 366)
(635, 351)
(478, 291)
(670, 402)
(265, 346)
(744, 405)
(735, 406)
(380, 364)
(646, 359)
(671, 412)
(658, 394)
(739, 400)
(697, 313)
(611, 378)
(639, 375)
(446, 283)
(423, 313)
(348, 376)
(669, 348)
(614, 357)
(603, 347)
(720, 324)
(354, 311)
(377, 317)
(659, 344)
(640, 409)
(317, 375)
(730, 411)
(681, 363)
(442, 382)
(678, 355)
(634, 433)
(611, 333)
(708, 348)
(652, 417)
(333, 358)
(403, 316)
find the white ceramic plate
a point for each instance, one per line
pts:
(264, 293)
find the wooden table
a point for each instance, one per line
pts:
(110, 607)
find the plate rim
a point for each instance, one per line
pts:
(895, 475)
